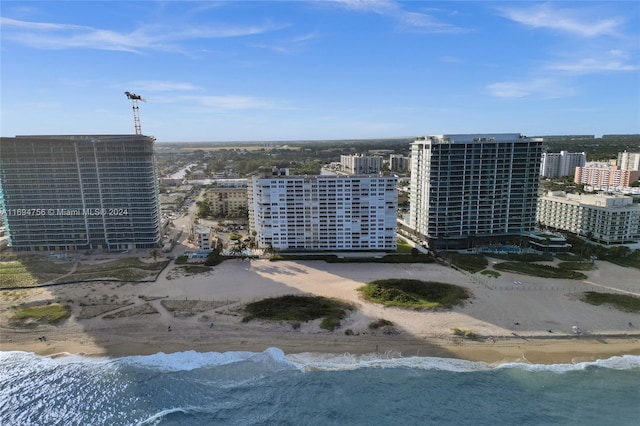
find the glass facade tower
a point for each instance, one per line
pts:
(469, 189)
(79, 192)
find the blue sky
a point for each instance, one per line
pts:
(297, 70)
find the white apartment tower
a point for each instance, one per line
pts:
(323, 213)
(361, 164)
(563, 163)
(629, 160)
(473, 188)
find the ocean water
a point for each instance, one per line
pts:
(269, 388)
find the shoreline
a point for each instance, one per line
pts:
(534, 322)
(118, 342)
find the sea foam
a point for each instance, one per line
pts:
(274, 359)
(191, 360)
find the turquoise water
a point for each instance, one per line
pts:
(269, 388)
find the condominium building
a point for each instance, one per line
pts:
(323, 213)
(563, 163)
(398, 163)
(604, 174)
(473, 188)
(79, 192)
(227, 201)
(629, 160)
(361, 164)
(608, 219)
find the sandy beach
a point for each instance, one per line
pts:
(537, 320)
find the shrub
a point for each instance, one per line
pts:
(623, 302)
(380, 323)
(299, 308)
(413, 293)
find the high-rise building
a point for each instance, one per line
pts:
(79, 192)
(609, 219)
(473, 188)
(323, 213)
(560, 164)
(358, 164)
(629, 160)
(398, 163)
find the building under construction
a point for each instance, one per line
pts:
(79, 192)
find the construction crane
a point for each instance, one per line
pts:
(136, 116)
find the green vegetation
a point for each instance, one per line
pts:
(576, 266)
(204, 210)
(620, 255)
(468, 334)
(195, 269)
(469, 262)
(380, 323)
(182, 260)
(129, 269)
(404, 247)
(623, 302)
(50, 313)
(332, 258)
(15, 274)
(490, 273)
(569, 257)
(523, 257)
(30, 271)
(299, 308)
(537, 270)
(414, 294)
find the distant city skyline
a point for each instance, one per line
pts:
(349, 69)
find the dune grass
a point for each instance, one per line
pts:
(29, 271)
(299, 308)
(414, 294)
(576, 266)
(50, 313)
(538, 270)
(469, 262)
(623, 302)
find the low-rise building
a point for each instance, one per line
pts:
(204, 238)
(607, 219)
(227, 201)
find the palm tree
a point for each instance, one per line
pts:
(154, 253)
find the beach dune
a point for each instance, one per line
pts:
(537, 320)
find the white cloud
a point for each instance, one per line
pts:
(543, 88)
(156, 37)
(591, 65)
(375, 6)
(288, 46)
(450, 59)
(567, 20)
(160, 86)
(611, 61)
(236, 102)
(408, 20)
